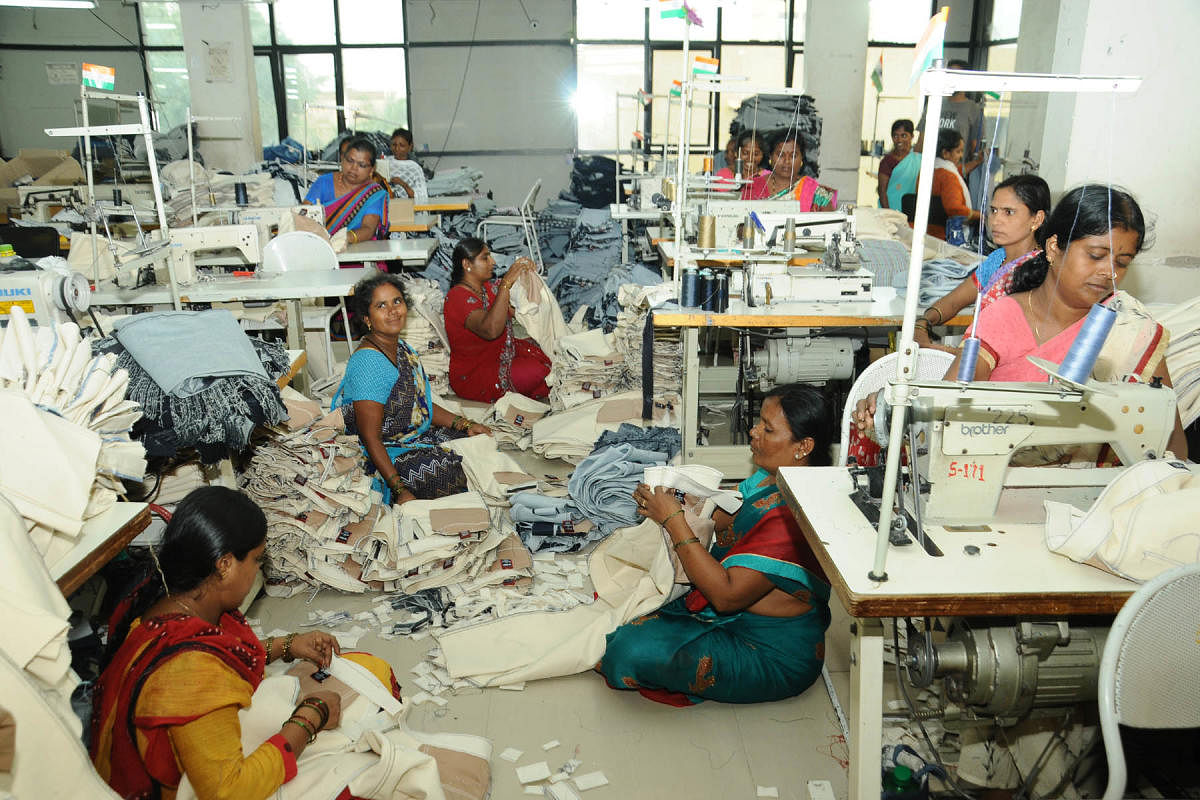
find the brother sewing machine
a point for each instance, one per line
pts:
(975, 429)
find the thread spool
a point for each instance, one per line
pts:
(706, 235)
(239, 195)
(722, 302)
(1078, 363)
(668, 189)
(967, 359)
(789, 236)
(688, 288)
(706, 289)
(748, 233)
(708, 165)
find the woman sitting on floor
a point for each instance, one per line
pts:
(753, 629)
(352, 197)
(486, 360)
(1087, 245)
(182, 661)
(386, 400)
(786, 180)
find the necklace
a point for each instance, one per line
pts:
(187, 608)
(390, 356)
(1037, 335)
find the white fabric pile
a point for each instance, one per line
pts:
(512, 417)
(425, 331)
(636, 302)
(586, 366)
(571, 434)
(447, 541)
(492, 474)
(1183, 357)
(66, 423)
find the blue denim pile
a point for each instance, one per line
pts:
(773, 115)
(603, 483)
(939, 276)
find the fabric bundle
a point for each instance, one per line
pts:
(66, 411)
(586, 366)
(773, 115)
(1183, 357)
(537, 311)
(630, 339)
(462, 180)
(939, 277)
(593, 181)
(425, 330)
(311, 486)
(554, 225)
(603, 483)
(552, 524)
(593, 250)
(511, 419)
(494, 475)
(201, 382)
(571, 434)
(662, 440)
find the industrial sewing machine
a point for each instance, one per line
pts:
(975, 429)
(47, 296)
(186, 242)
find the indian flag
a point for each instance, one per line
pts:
(703, 65)
(877, 76)
(676, 89)
(929, 49)
(98, 77)
(671, 9)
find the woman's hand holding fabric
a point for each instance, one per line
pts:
(478, 429)
(316, 646)
(400, 498)
(655, 504)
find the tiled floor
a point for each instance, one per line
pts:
(646, 750)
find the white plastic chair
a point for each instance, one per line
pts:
(526, 220)
(1150, 669)
(302, 251)
(931, 365)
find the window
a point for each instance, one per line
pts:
(901, 21)
(169, 86)
(671, 29)
(304, 22)
(161, 25)
(375, 86)
(665, 111)
(610, 19)
(755, 20)
(268, 118)
(601, 72)
(370, 22)
(1006, 20)
(762, 66)
(260, 25)
(308, 81)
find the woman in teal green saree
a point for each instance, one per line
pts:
(753, 628)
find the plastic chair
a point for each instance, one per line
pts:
(1149, 669)
(302, 251)
(931, 366)
(526, 220)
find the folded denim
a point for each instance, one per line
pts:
(603, 483)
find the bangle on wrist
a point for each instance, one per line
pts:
(941, 318)
(287, 649)
(318, 705)
(270, 645)
(307, 728)
(671, 516)
(689, 540)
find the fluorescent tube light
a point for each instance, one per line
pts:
(49, 3)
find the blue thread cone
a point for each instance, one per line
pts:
(1078, 363)
(967, 358)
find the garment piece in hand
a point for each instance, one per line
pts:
(602, 485)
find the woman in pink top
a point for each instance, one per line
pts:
(751, 152)
(1087, 245)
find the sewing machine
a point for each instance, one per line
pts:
(812, 227)
(186, 242)
(47, 296)
(975, 429)
(269, 218)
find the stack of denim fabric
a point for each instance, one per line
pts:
(774, 115)
(462, 180)
(593, 250)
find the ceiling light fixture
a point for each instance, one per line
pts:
(49, 3)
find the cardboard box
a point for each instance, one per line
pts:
(48, 168)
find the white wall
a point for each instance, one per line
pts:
(221, 83)
(1143, 141)
(513, 98)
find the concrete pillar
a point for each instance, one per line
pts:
(220, 62)
(835, 61)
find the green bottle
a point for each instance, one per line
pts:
(899, 784)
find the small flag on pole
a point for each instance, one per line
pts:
(98, 77)
(671, 9)
(676, 89)
(929, 49)
(877, 75)
(703, 65)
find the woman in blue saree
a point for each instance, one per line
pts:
(386, 400)
(753, 628)
(351, 197)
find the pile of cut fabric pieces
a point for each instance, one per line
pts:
(67, 423)
(200, 380)
(1183, 357)
(425, 330)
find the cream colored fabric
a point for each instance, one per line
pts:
(512, 418)
(632, 575)
(372, 752)
(486, 467)
(571, 434)
(1146, 521)
(538, 312)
